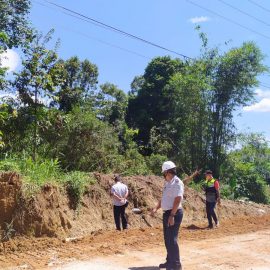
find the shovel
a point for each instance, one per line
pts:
(136, 211)
(139, 211)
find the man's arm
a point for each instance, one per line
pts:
(217, 191)
(154, 210)
(176, 204)
(126, 195)
(188, 179)
(116, 196)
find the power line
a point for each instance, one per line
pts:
(243, 12)
(105, 26)
(114, 29)
(260, 6)
(228, 19)
(90, 37)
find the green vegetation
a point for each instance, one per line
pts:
(76, 184)
(247, 170)
(63, 124)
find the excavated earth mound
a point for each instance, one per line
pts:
(51, 212)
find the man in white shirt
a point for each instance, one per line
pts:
(171, 204)
(119, 192)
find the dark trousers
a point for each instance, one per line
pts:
(119, 213)
(210, 210)
(171, 238)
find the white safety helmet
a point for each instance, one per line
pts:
(167, 165)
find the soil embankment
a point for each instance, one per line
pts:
(51, 213)
(88, 231)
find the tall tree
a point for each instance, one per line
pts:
(187, 109)
(185, 129)
(38, 79)
(79, 82)
(111, 103)
(233, 78)
(148, 104)
(14, 21)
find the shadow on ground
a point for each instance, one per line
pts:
(195, 227)
(144, 268)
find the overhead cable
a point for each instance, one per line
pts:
(112, 28)
(90, 37)
(228, 19)
(243, 12)
(259, 5)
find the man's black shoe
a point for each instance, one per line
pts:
(163, 265)
(174, 268)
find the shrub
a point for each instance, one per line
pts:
(40, 171)
(87, 143)
(253, 187)
(76, 183)
(9, 165)
(154, 163)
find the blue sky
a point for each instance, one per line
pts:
(167, 23)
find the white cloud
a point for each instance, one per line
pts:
(261, 106)
(199, 19)
(10, 59)
(262, 94)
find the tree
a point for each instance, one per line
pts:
(233, 76)
(3, 45)
(111, 104)
(190, 105)
(79, 83)
(249, 168)
(38, 79)
(185, 128)
(148, 104)
(87, 143)
(14, 22)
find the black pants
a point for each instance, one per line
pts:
(210, 210)
(171, 239)
(119, 213)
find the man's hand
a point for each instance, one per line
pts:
(171, 221)
(218, 202)
(153, 211)
(189, 178)
(198, 171)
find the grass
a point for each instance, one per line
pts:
(37, 174)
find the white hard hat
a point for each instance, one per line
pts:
(167, 165)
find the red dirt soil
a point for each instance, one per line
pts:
(50, 213)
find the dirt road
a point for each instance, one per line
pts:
(247, 251)
(242, 243)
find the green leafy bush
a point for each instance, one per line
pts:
(9, 165)
(76, 183)
(154, 163)
(253, 187)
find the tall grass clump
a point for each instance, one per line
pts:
(40, 172)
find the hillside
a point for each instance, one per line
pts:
(51, 212)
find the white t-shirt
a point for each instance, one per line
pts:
(120, 190)
(171, 190)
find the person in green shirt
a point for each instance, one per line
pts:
(211, 188)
